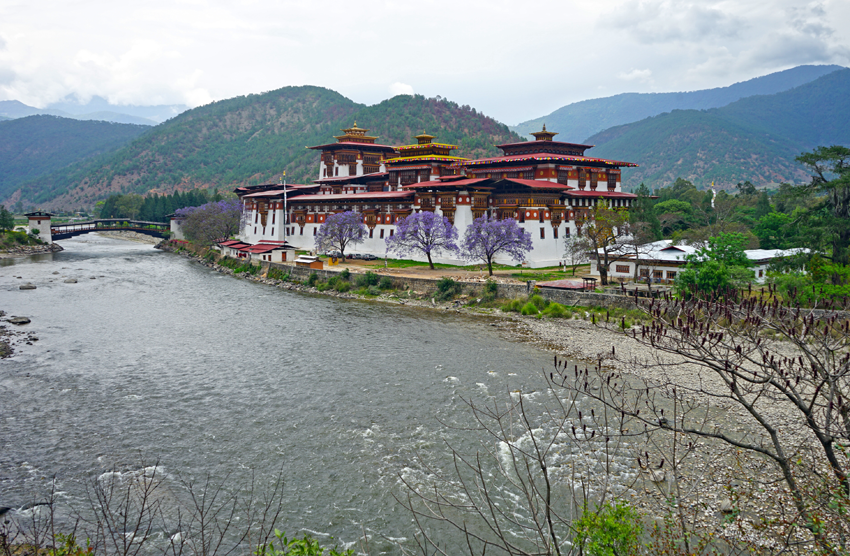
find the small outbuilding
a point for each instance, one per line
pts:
(310, 262)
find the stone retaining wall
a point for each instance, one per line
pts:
(475, 289)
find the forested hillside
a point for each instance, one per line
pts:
(252, 139)
(579, 120)
(34, 146)
(754, 139)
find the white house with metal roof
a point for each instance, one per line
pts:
(662, 260)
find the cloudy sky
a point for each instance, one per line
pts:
(513, 60)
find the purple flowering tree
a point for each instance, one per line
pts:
(425, 232)
(487, 237)
(339, 231)
(212, 222)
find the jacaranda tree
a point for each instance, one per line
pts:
(487, 237)
(425, 232)
(339, 231)
(211, 222)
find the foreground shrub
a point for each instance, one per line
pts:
(311, 280)
(609, 531)
(345, 274)
(385, 283)
(308, 546)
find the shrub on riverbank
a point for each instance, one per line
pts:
(239, 266)
(275, 273)
(10, 239)
(447, 289)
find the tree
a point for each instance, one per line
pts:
(831, 182)
(575, 251)
(425, 232)
(212, 222)
(717, 270)
(607, 233)
(487, 237)
(7, 219)
(792, 412)
(339, 231)
(130, 205)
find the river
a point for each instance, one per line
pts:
(151, 357)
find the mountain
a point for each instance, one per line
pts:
(156, 113)
(575, 122)
(252, 139)
(35, 146)
(755, 138)
(95, 109)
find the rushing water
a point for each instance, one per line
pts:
(152, 357)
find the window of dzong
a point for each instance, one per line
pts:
(382, 233)
(273, 216)
(542, 233)
(302, 231)
(541, 215)
(391, 232)
(371, 233)
(658, 274)
(314, 231)
(644, 272)
(612, 181)
(622, 268)
(555, 232)
(671, 275)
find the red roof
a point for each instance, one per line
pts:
(354, 196)
(539, 184)
(260, 248)
(239, 246)
(229, 242)
(352, 144)
(279, 192)
(350, 178)
(543, 157)
(544, 144)
(568, 284)
(585, 193)
(455, 183)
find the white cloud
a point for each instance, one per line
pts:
(400, 89)
(194, 51)
(636, 75)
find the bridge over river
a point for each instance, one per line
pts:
(71, 229)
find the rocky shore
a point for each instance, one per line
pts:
(26, 250)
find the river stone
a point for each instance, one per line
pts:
(71, 281)
(19, 320)
(27, 286)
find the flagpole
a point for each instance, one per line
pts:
(285, 211)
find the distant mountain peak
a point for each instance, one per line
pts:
(579, 120)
